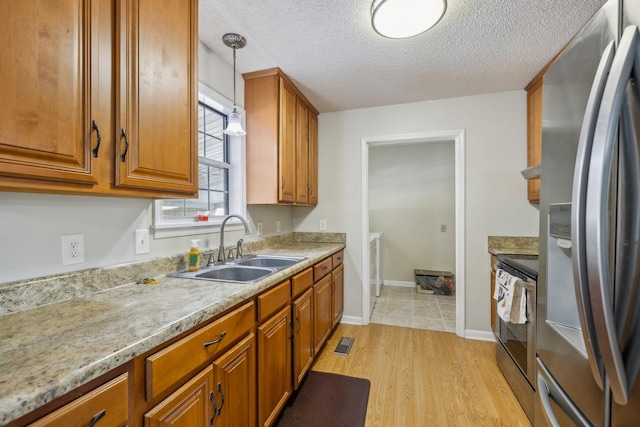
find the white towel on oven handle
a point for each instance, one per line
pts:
(511, 298)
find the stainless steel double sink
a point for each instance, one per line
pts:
(248, 269)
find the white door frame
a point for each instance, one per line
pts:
(458, 138)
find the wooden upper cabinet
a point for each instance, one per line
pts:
(157, 90)
(45, 115)
(534, 135)
(282, 140)
(302, 153)
(75, 73)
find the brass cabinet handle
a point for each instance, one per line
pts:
(94, 126)
(215, 407)
(126, 145)
(221, 396)
(216, 341)
(97, 417)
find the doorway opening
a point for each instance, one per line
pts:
(446, 140)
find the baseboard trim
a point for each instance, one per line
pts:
(399, 283)
(351, 320)
(479, 335)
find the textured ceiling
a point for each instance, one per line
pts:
(332, 54)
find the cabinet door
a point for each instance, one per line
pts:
(302, 336)
(321, 311)
(313, 159)
(274, 366)
(45, 114)
(189, 406)
(302, 153)
(287, 144)
(337, 294)
(235, 385)
(157, 117)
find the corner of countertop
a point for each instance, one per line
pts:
(512, 245)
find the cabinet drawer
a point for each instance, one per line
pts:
(337, 258)
(321, 269)
(301, 281)
(273, 299)
(108, 403)
(172, 364)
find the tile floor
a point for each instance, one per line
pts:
(403, 306)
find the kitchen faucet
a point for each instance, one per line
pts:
(221, 257)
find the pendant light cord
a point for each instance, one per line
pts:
(234, 78)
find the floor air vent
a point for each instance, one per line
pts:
(344, 347)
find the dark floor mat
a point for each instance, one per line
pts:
(327, 400)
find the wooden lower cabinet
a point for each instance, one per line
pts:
(321, 312)
(303, 346)
(274, 366)
(236, 370)
(337, 294)
(189, 406)
(234, 393)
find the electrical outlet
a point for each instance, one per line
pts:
(277, 226)
(72, 249)
(259, 226)
(322, 225)
(443, 228)
(142, 241)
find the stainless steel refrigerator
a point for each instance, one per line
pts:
(588, 323)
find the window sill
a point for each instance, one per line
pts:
(177, 229)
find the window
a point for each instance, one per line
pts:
(220, 175)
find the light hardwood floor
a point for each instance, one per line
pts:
(424, 378)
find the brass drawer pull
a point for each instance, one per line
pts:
(216, 341)
(97, 417)
(94, 125)
(126, 145)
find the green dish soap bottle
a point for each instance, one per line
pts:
(194, 256)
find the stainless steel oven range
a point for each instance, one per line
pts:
(515, 344)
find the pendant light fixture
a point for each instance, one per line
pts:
(234, 124)
(398, 19)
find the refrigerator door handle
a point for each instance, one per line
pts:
(597, 215)
(578, 211)
(549, 389)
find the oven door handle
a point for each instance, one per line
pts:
(578, 214)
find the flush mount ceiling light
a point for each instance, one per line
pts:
(234, 124)
(397, 19)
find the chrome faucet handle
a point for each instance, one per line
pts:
(212, 259)
(230, 254)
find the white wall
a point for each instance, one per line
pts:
(411, 195)
(31, 224)
(496, 197)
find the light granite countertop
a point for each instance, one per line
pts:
(52, 349)
(513, 245)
